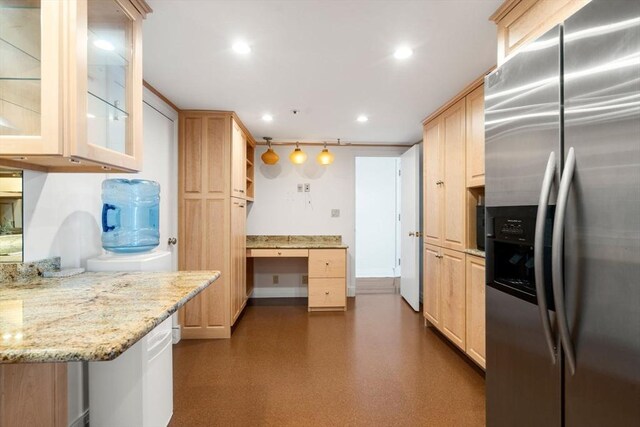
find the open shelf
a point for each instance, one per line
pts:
(474, 195)
(251, 150)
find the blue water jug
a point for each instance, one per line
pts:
(130, 215)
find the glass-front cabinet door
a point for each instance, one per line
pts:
(30, 90)
(110, 90)
(71, 84)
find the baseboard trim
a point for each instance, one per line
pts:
(283, 292)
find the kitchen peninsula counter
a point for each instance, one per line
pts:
(91, 316)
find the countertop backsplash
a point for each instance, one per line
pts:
(19, 271)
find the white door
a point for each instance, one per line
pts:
(160, 163)
(410, 226)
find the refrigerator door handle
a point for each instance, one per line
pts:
(538, 254)
(557, 256)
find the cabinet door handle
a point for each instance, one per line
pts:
(327, 263)
(279, 253)
(172, 241)
(411, 234)
(326, 292)
(242, 191)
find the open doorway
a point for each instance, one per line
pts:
(377, 252)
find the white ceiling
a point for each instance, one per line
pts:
(331, 59)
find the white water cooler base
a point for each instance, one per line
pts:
(136, 388)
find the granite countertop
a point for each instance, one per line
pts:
(91, 316)
(475, 252)
(295, 242)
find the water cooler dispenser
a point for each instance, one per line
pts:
(136, 388)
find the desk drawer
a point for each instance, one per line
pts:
(278, 253)
(327, 293)
(327, 263)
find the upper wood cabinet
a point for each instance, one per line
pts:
(475, 137)
(444, 186)
(71, 84)
(521, 21)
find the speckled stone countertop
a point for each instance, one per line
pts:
(295, 242)
(475, 252)
(91, 316)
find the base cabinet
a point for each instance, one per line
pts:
(327, 280)
(475, 348)
(453, 300)
(33, 394)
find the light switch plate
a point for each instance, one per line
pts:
(307, 188)
(305, 279)
(276, 279)
(335, 213)
(299, 188)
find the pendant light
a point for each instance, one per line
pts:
(325, 157)
(298, 156)
(269, 157)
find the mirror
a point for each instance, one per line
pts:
(10, 215)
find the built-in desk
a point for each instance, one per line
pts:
(327, 264)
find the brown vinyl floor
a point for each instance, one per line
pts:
(374, 365)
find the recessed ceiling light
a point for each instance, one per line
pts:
(267, 117)
(362, 118)
(241, 48)
(103, 44)
(403, 52)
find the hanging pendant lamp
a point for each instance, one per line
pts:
(269, 157)
(325, 157)
(298, 156)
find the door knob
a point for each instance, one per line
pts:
(172, 241)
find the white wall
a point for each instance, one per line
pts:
(62, 213)
(376, 216)
(280, 209)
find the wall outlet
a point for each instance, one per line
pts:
(276, 279)
(335, 213)
(299, 188)
(307, 188)
(305, 279)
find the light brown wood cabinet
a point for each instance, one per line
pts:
(238, 162)
(453, 165)
(327, 279)
(475, 346)
(33, 394)
(432, 274)
(444, 159)
(522, 21)
(475, 137)
(211, 220)
(444, 292)
(239, 259)
(71, 90)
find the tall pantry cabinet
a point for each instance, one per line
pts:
(212, 209)
(453, 160)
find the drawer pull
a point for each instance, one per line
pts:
(327, 263)
(279, 253)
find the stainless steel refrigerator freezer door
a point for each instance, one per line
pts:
(522, 123)
(523, 386)
(602, 231)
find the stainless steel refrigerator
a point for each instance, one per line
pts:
(562, 123)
